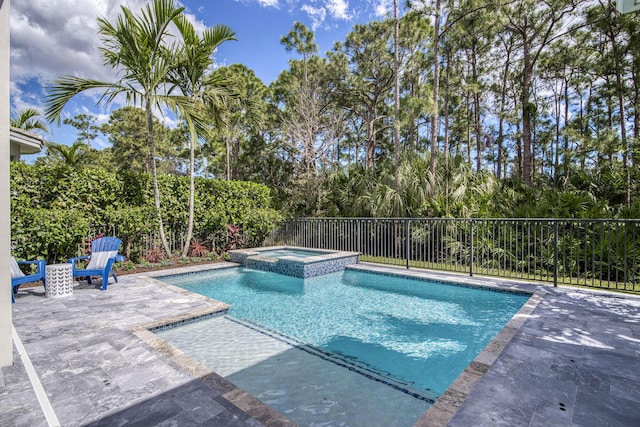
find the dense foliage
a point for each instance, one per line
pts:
(465, 109)
(506, 109)
(452, 109)
(54, 209)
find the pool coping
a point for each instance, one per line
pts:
(437, 415)
(325, 254)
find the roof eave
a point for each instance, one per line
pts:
(29, 143)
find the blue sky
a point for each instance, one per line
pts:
(50, 38)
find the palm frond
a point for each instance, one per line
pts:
(65, 88)
(69, 155)
(27, 119)
(217, 35)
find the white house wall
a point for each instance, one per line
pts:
(6, 345)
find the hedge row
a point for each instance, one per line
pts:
(54, 209)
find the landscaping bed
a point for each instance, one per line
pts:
(127, 267)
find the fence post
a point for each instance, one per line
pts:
(285, 233)
(471, 248)
(407, 246)
(555, 253)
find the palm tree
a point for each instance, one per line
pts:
(136, 48)
(246, 109)
(28, 119)
(193, 78)
(69, 155)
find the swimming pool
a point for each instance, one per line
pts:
(418, 333)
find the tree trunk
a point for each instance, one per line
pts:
(446, 113)
(227, 144)
(556, 150)
(585, 131)
(476, 110)
(503, 101)
(193, 137)
(436, 95)
(519, 151)
(154, 175)
(445, 147)
(396, 109)
(527, 71)
(467, 104)
(371, 139)
(636, 119)
(623, 137)
(566, 158)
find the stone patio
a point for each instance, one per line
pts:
(571, 357)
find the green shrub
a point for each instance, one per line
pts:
(258, 225)
(133, 224)
(55, 208)
(52, 234)
(125, 265)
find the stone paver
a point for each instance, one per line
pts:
(94, 368)
(574, 362)
(18, 403)
(570, 357)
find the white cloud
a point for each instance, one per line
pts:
(382, 7)
(336, 9)
(101, 144)
(168, 119)
(100, 118)
(268, 3)
(45, 45)
(198, 24)
(339, 9)
(316, 14)
(52, 38)
(263, 3)
(23, 99)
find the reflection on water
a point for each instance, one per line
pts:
(279, 284)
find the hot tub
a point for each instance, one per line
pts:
(294, 261)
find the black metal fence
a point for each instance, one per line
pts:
(598, 253)
(140, 244)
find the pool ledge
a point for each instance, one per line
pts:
(218, 385)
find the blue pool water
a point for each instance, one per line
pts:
(298, 253)
(419, 333)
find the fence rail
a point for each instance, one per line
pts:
(139, 245)
(598, 253)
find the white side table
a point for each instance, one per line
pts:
(59, 280)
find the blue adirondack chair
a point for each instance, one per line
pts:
(104, 252)
(19, 278)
